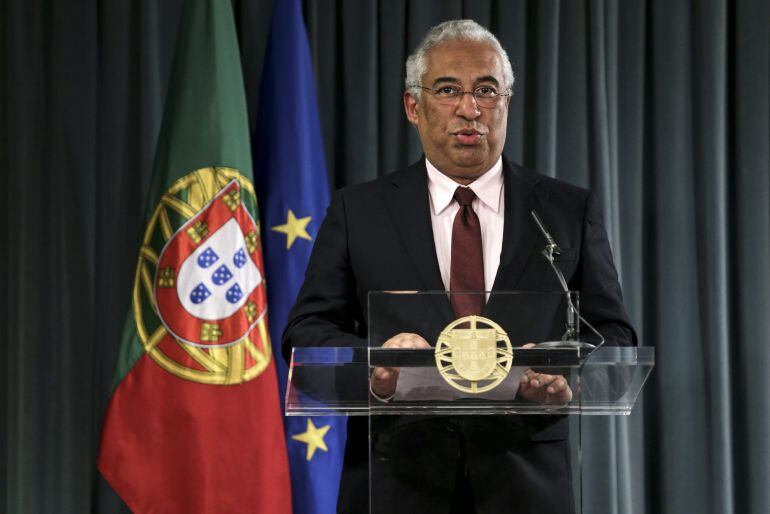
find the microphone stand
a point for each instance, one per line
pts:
(570, 337)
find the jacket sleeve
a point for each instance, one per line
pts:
(327, 311)
(601, 300)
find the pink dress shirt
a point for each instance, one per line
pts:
(489, 207)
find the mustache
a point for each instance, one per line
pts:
(467, 129)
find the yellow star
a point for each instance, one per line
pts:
(313, 437)
(294, 228)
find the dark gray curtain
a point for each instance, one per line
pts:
(661, 107)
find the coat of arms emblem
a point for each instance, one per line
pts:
(200, 272)
(475, 358)
(208, 284)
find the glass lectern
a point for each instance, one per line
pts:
(469, 397)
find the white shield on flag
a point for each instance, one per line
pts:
(209, 286)
(217, 278)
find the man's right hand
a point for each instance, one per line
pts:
(383, 380)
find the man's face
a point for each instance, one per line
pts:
(462, 139)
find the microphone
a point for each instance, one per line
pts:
(569, 339)
(551, 248)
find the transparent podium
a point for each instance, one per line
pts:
(484, 405)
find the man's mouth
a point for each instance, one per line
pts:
(468, 136)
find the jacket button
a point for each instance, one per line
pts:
(451, 426)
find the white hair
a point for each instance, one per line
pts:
(468, 30)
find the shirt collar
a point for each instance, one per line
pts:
(487, 187)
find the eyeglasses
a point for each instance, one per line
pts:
(485, 96)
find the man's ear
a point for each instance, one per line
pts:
(410, 107)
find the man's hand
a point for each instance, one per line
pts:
(383, 380)
(542, 388)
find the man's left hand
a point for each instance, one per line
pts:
(544, 388)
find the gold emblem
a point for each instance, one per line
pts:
(233, 364)
(210, 332)
(166, 277)
(252, 241)
(198, 231)
(251, 311)
(474, 359)
(232, 199)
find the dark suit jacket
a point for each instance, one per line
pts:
(378, 236)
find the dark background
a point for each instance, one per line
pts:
(660, 107)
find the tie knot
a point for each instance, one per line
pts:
(464, 196)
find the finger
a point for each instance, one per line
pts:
(382, 373)
(416, 341)
(538, 381)
(531, 379)
(528, 375)
(406, 340)
(562, 393)
(566, 393)
(394, 342)
(562, 398)
(383, 381)
(557, 385)
(547, 380)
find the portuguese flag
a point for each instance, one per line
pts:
(194, 423)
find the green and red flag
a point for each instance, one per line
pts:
(194, 423)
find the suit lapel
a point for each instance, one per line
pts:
(409, 205)
(408, 200)
(520, 234)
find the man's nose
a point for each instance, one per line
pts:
(467, 106)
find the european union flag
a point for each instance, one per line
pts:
(290, 177)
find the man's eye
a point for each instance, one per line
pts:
(447, 91)
(486, 91)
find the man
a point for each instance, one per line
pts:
(459, 219)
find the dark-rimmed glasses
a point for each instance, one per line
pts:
(485, 96)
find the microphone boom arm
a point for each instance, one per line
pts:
(548, 252)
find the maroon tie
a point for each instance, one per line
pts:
(467, 268)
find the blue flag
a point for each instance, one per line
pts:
(290, 177)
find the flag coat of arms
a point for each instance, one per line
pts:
(194, 422)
